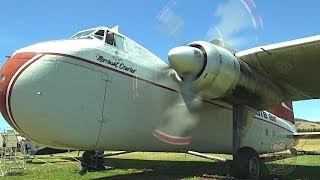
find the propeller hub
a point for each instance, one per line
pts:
(186, 60)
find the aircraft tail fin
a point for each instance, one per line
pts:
(284, 111)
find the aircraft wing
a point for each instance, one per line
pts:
(293, 65)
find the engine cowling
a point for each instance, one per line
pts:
(217, 73)
(215, 70)
(220, 73)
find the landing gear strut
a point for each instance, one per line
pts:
(91, 161)
(246, 161)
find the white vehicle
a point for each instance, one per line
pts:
(29, 147)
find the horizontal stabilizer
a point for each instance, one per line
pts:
(307, 134)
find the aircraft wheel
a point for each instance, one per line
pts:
(91, 161)
(87, 163)
(99, 161)
(246, 164)
(294, 151)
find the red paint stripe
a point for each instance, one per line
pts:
(11, 88)
(171, 139)
(8, 70)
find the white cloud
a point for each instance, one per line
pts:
(233, 19)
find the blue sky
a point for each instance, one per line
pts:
(27, 22)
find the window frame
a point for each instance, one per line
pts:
(83, 34)
(115, 44)
(97, 36)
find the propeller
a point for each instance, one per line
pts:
(170, 23)
(235, 21)
(182, 115)
(238, 23)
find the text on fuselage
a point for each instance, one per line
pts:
(268, 116)
(115, 64)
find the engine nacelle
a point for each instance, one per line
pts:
(217, 73)
(220, 72)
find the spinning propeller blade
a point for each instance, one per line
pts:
(234, 18)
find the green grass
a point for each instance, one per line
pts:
(134, 165)
(143, 165)
(312, 145)
(300, 167)
(147, 165)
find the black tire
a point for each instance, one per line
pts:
(99, 161)
(90, 161)
(246, 164)
(87, 163)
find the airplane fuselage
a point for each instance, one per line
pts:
(87, 94)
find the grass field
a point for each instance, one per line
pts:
(146, 165)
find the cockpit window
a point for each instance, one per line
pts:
(87, 33)
(99, 34)
(120, 42)
(115, 40)
(82, 34)
(103, 34)
(110, 38)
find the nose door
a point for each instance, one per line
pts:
(58, 101)
(80, 92)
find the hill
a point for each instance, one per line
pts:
(305, 125)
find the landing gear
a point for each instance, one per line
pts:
(294, 151)
(246, 164)
(92, 161)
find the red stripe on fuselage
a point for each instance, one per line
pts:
(8, 70)
(11, 88)
(171, 139)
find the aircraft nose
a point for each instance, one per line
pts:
(8, 75)
(40, 93)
